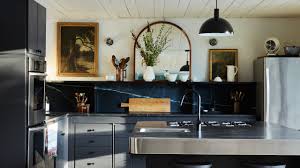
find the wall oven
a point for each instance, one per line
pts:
(36, 89)
(42, 145)
(36, 147)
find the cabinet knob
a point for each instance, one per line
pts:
(90, 130)
(89, 164)
(62, 134)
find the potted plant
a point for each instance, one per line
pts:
(151, 47)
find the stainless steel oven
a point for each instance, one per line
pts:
(42, 145)
(36, 147)
(36, 89)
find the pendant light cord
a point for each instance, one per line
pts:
(216, 4)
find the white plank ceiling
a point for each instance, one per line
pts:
(88, 9)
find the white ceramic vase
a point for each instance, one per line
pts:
(149, 75)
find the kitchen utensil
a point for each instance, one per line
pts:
(148, 105)
(291, 50)
(120, 67)
(237, 97)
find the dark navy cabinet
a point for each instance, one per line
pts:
(103, 140)
(62, 143)
(93, 145)
(36, 28)
(122, 158)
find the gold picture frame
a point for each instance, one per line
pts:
(219, 59)
(77, 49)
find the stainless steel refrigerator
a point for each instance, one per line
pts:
(278, 90)
(22, 83)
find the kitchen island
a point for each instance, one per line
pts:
(258, 139)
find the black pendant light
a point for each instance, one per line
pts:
(216, 26)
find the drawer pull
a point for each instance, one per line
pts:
(90, 130)
(89, 164)
(90, 153)
(91, 141)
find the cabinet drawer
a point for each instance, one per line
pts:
(93, 157)
(92, 152)
(93, 129)
(104, 162)
(93, 141)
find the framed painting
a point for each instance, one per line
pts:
(77, 49)
(219, 59)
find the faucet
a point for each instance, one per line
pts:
(199, 102)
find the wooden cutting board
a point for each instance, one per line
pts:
(148, 105)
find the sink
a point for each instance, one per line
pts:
(166, 130)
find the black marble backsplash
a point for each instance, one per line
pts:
(107, 96)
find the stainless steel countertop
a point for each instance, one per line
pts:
(260, 139)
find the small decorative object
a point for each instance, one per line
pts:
(77, 49)
(237, 97)
(166, 73)
(81, 100)
(183, 76)
(213, 42)
(218, 79)
(172, 77)
(110, 77)
(231, 72)
(151, 47)
(292, 50)
(109, 41)
(218, 61)
(120, 67)
(272, 46)
(186, 67)
(149, 74)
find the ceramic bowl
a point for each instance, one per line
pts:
(184, 76)
(172, 77)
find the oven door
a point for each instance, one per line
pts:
(36, 147)
(36, 98)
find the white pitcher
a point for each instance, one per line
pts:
(231, 72)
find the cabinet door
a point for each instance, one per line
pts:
(41, 33)
(62, 144)
(122, 158)
(32, 26)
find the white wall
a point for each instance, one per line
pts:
(249, 38)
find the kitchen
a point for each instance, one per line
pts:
(150, 83)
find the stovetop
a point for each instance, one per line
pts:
(230, 124)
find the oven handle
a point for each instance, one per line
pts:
(37, 74)
(36, 129)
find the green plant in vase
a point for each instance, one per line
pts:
(152, 46)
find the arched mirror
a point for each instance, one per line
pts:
(175, 59)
